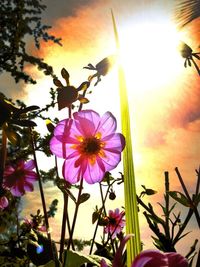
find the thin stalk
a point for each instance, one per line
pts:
(167, 205)
(41, 192)
(97, 224)
(64, 220)
(104, 208)
(183, 226)
(198, 259)
(3, 155)
(198, 182)
(195, 65)
(188, 196)
(75, 214)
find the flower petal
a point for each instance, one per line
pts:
(93, 173)
(31, 176)
(114, 142)
(107, 125)
(28, 187)
(103, 263)
(29, 165)
(87, 122)
(111, 160)
(176, 259)
(150, 258)
(71, 173)
(61, 149)
(3, 202)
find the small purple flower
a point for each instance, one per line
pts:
(19, 177)
(89, 145)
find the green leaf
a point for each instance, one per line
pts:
(65, 74)
(196, 200)
(95, 216)
(25, 110)
(131, 207)
(179, 197)
(84, 197)
(12, 136)
(52, 264)
(76, 259)
(25, 123)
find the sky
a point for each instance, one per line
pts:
(163, 95)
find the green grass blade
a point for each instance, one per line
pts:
(131, 210)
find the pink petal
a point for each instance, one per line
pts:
(93, 173)
(28, 187)
(176, 259)
(3, 202)
(29, 165)
(63, 127)
(16, 192)
(31, 176)
(117, 262)
(87, 122)
(60, 149)
(150, 258)
(111, 160)
(71, 173)
(66, 131)
(8, 170)
(114, 142)
(107, 125)
(103, 263)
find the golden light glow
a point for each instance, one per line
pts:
(149, 54)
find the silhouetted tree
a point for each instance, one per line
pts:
(19, 21)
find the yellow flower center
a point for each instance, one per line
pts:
(90, 146)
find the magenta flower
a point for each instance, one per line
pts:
(155, 258)
(19, 177)
(3, 202)
(89, 145)
(148, 258)
(116, 222)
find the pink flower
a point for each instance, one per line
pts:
(148, 258)
(89, 145)
(3, 202)
(155, 258)
(19, 177)
(115, 222)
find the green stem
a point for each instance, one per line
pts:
(41, 192)
(167, 205)
(188, 196)
(3, 155)
(97, 224)
(75, 214)
(64, 220)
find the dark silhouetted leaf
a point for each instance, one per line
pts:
(84, 197)
(57, 83)
(25, 123)
(179, 197)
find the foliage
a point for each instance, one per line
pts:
(19, 21)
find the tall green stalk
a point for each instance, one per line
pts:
(131, 209)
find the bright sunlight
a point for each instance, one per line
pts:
(149, 55)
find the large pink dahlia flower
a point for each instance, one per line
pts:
(19, 177)
(89, 145)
